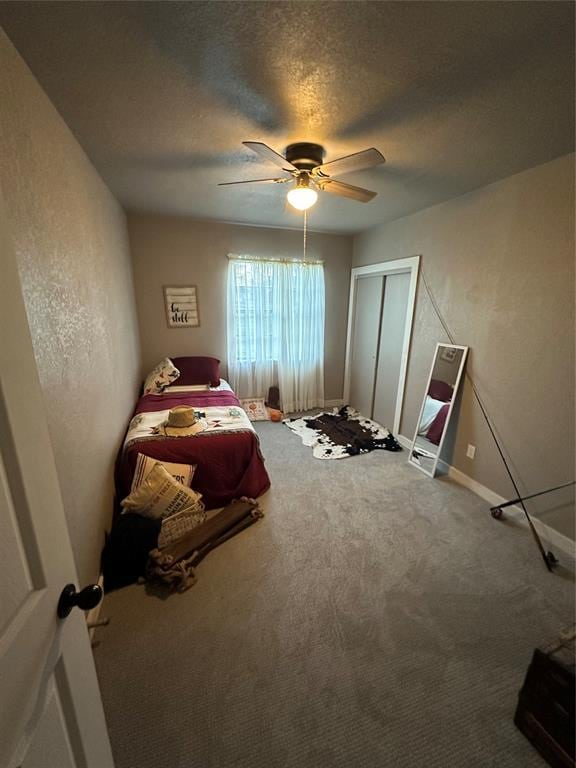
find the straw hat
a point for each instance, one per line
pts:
(182, 422)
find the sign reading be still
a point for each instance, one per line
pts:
(181, 306)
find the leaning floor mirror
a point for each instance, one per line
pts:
(437, 405)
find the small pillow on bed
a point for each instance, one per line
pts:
(441, 390)
(198, 370)
(183, 473)
(160, 496)
(164, 374)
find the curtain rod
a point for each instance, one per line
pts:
(237, 257)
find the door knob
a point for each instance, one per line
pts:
(86, 599)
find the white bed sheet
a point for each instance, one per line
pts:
(431, 408)
(222, 387)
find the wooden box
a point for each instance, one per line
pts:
(545, 712)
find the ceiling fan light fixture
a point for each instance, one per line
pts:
(302, 196)
(303, 162)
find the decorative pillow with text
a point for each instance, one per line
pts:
(160, 496)
(183, 473)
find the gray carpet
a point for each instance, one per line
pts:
(374, 618)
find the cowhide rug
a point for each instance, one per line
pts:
(342, 433)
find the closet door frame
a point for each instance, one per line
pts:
(409, 265)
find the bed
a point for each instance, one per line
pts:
(228, 461)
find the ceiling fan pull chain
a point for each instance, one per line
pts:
(305, 231)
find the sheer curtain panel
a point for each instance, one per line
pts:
(276, 330)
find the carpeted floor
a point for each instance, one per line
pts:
(374, 619)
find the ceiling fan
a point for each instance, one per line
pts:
(302, 163)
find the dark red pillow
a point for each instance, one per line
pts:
(434, 434)
(439, 390)
(197, 370)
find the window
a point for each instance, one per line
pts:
(276, 330)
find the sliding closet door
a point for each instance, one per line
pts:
(365, 343)
(390, 349)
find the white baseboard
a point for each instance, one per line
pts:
(93, 614)
(404, 441)
(556, 539)
(325, 404)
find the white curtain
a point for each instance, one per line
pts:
(276, 330)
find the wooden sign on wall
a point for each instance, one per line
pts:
(181, 306)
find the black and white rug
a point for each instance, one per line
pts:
(342, 433)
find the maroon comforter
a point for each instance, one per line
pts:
(228, 465)
(436, 429)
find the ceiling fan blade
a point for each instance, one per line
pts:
(346, 190)
(365, 159)
(269, 154)
(256, 181)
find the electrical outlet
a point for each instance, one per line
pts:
(471, 451)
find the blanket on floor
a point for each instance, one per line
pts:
(342, 433)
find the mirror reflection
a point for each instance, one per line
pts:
(441, 390)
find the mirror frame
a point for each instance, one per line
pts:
(432, 472)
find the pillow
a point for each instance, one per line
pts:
(165, 373)
(436, 430)
(183, 473)
(160, 495)
(178, 526)
(440, 390)
(198, 370)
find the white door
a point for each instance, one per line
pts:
(392, 331)
(368, 306)
(375, 373)
(51, 713)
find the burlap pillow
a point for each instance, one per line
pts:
(160, 496)
(183, 473)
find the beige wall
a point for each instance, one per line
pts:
(71, 243)
(500, 262)
(170, 250)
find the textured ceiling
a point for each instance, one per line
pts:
(161, 95)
